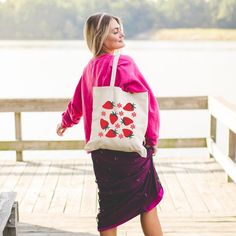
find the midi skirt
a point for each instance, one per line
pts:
(128, 185)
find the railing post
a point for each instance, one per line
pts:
(231, 149)
(213, 130)
(18, 134)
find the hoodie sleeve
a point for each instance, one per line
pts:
(73, 113)
(130, 79)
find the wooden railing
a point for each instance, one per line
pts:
(218, 108)
(224, 112)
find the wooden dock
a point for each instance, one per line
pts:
(60, 197)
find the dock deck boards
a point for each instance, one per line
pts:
(60, 197)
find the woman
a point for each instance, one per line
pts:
(128, 183)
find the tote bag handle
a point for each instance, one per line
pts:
(114, 69)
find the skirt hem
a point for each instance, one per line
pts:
(151, 206)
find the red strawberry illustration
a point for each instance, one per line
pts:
(108, 105)
(129, 107)
(126, 121)
(111, 133)
(104, 124)
(128, 133)
(113, 117)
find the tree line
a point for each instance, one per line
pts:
(64, 19)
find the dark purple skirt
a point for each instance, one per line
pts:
(128, 185)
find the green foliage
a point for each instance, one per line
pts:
(184, 14)
(223, 13)
(64, 19)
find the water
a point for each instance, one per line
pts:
(52, 69)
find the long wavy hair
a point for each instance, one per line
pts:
(96, 30)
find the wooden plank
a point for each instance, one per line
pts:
(6, 168)
(57, 205)
(86, 226)
(231, 150)
(198, 173)
(79, 144)
(232, 146)
(212, 169)
(166, 205)
(11, 227)
(89, 196)
(205, 175)
(48, 189)
(59, 200)
(34, 105)
(174, 188)
(183, 103)
(74, 199)
(227, 191)
(227, 164)
(30, 194)
(6, 202)
(181, 167)
(182, 143)
(18, 135)
(13, 177)
(213, 129)
(35, 186)
(224, 111)
(41, 145)
(25, 179)
(60, 104)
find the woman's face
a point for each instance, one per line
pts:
(115, 38)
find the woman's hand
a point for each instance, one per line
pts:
(60, 129)
(154, 148)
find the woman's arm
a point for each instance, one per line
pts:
(73, 113)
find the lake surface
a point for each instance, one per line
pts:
(51, 69)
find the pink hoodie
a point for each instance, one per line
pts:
(98, 73)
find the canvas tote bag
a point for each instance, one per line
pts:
(119, 118)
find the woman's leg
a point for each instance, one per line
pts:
(109, 232)
(150, 223)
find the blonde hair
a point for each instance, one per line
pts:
(96, 30)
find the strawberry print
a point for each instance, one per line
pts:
(132, 126)
(117, 125)
(104, 124)
(121, 113)
(126, 121)
(127, 133)
(111, 133)
(119, 105)
(129, 107)
(113, 117)
(116, 120)
(108, 105)
(103, 113)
